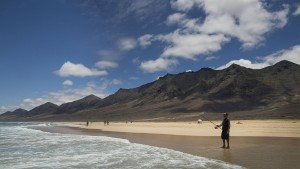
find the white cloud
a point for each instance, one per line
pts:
(246, 20)
(235, 18)
(106, 64)
(133, 78)
(187, 25)
(126, 44)
(175, 18)
(68, 83)
(145, 40)
(116, 82)
(292, 54)
(183, 45)
(78, 70)
(109, 54)
(159, 64)
(184, 5)
(297, 11)
(244, 63)
(188, 46)
(209, 58)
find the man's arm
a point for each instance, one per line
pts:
(219, 125)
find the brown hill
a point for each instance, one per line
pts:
(42, 111)
(72, 107)
(17, 112)
(272, 92)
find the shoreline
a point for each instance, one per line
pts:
(247, 151)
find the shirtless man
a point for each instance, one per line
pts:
(225, 130)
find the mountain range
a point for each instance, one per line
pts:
(269, 93)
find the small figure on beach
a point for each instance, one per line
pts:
(106, 122)
(87, 123)
(225, 130)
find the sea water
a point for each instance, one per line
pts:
(22, 148)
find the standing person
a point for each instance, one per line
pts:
(87, 123)
(225, 130)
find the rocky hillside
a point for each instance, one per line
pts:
(72, 107)
(272, 92)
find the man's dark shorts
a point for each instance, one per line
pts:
(225, 134)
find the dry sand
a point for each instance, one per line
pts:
(263, 128)
(254, 144)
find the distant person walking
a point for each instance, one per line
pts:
(225, 130)
(87, 123)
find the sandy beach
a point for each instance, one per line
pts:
(254, 143)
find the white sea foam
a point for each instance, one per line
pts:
(26, 148)
(60, 124)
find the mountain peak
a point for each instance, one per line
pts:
(207, 69)
(44, 106)
(285, 64)
(121, 90)
(92, 97)
(49, 104)
(89, 98)
(235, 66)
(236, 69)
(19, 110)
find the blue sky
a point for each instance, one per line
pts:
(64, 50)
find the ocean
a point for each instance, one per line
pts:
(24, 148)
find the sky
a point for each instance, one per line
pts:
(63, 50)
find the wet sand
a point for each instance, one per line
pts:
(247, 151)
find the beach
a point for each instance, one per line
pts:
(254, 143)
